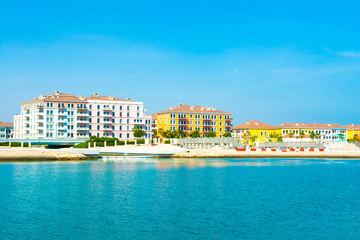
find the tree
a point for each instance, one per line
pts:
(138, 132)
(154, 133)
(211, 134)
(317, 136)
(195, 134)
(312, 135)
(180, 134)
(291, 135)
(341, 136)
(356, 138)
(253, 139)
(276, 136)
(302, 134)
(247, 136)
(227, 134)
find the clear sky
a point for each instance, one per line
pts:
(273, 61)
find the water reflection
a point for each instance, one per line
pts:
(162, 163)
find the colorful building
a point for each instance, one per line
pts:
(254, 131)
(296, 131)
(194, 118)
(115, 117)
(61, 115)
(6, 130)
(353, 132)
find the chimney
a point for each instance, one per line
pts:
(57, 91)
(180, 104)
(129, 98)
(95, 94)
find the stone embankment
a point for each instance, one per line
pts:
(39, 155)
(267, 154)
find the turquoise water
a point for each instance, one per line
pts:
(181, 199)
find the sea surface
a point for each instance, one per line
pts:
(137, 198)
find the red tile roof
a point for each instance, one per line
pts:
(352, 127)
(57, 96)
(192, 109)
(6, 124)
(254, 125)
(107, 98)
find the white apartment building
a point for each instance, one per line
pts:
(61, 115)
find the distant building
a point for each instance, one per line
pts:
(194, 118)
(114, 117)
(61, 115)
(6, 130)
(254, 130)
(353, 131)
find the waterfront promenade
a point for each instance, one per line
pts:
(164, 150)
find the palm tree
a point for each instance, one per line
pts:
(291, 135)
(211, 134)
(312, 135)
(302, 134)
(253, 139)
(247, 136)
(341, 136)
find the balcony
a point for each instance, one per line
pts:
(82, 113)
(82, 120)
(39, 113)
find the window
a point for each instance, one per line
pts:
(128, 108)
(98, 106)
(120, 107)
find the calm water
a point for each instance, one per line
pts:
(182, 199)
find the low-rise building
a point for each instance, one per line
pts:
(254, 131)
(353, 132)
(6, 130)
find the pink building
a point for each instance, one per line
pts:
(114, 117)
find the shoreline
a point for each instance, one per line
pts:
(278, 154)
(42, 154)
(27, 155)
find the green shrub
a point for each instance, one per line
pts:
(167, 142)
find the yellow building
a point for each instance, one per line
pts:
(194, 118)
(254, 131)
(353, 131)
(294, 130)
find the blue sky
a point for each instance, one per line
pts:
(273, 61)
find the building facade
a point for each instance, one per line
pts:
(254, 131)
(61, 115)
(189, 118)
(6, 130)
(114, 117)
